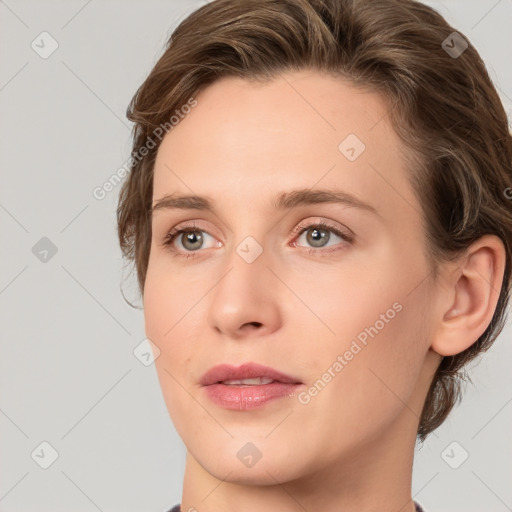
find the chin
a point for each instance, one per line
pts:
(261, 474)
(241, 461)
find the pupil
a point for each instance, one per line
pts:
(193, 237)
(318, 236)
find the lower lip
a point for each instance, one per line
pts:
(244, 398)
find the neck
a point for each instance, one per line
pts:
(375, 477)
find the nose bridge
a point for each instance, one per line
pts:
(246, 263)
(246, 247)
(243, 295)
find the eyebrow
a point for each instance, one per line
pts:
(282, 201)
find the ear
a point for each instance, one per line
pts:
(470, 292)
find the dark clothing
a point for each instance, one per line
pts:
(177, 508)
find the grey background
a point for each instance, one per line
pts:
(67, 368)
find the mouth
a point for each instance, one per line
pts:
(249, 374)
(248, 386)
(257, 381)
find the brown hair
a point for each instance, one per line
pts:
(442, 105)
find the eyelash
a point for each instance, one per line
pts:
(174, 233)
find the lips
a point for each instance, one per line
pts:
(225, 373)
(247, 387)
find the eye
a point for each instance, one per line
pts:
(190, 238)
(318, 234)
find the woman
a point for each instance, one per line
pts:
(317, 210)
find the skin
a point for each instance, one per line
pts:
(351, 446)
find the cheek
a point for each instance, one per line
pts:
(165, 314)
(380, 303)
(173, 317)
(381, 333)
(163, 310)
(169, 300)
(382, 347)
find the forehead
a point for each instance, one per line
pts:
(299, 130)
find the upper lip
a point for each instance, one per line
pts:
(224, 372)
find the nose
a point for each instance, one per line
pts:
(245, 301)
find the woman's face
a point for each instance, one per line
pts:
(341, 308)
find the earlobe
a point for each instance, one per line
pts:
(472, 295)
